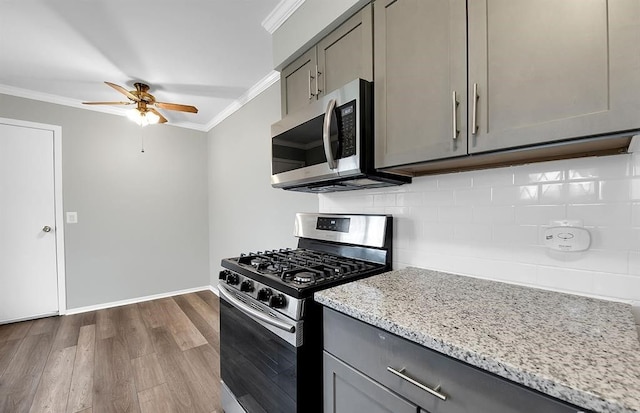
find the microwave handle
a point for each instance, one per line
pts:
(326, 134)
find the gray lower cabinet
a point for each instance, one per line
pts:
(367, 366)
(456, 77)
(343, 55)
(349, 391)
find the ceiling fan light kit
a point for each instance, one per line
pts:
(143, 118)
(145, 112)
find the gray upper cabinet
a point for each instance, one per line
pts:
(548, 70)
(420, 64)
(343, 55)
(296, 83)
(539, 71)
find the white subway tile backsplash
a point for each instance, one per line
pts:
(634, 263)
(553, 193)
(438, 198)
(618, 214)
(515, 234)
(455, 181)
(491, 223)
(566, 279)
(437, 232)
(492, 177)
(456, 214)
(635, 189)
(484, 214)
(539, 214)
(617, 287)
(535, 173)
(515, 195)
(615, 191)
(384, 200)
(612, 238)
(472, 232)
(635, 214)
(410, 198)
(423, 183)
(472, 196)
(582, 192)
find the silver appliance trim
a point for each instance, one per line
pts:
(229, 402)
(288, 330)
(365, 230)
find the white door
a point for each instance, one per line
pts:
(28, 267)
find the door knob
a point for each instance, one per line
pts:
(46, 228)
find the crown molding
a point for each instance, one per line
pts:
(280, 14)
(251, 93)
(254, 91)
(58, 100)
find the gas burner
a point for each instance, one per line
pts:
(260, 263)
(304, 277)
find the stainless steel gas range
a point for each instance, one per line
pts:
(270, 327)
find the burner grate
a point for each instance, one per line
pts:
(303, 267)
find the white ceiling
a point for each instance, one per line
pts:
(206, 53)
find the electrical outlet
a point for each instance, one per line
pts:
(72, 217)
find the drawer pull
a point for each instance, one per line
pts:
(434, 392)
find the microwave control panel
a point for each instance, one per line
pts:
(347, 113)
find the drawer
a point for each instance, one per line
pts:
(467, 389)
(346, 390)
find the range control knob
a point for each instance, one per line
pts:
(277, 301)
(232, 279)
(264, 294)
(223, 274)
(246, 286)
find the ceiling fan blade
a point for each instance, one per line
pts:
(176, 106)
(162, 118)
(107, 103)
(124, 91)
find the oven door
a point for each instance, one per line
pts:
(258, 356)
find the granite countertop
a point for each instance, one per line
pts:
(581, 350)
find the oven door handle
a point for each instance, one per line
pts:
(326, 134)
(257, 315)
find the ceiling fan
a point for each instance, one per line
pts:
(146, 111)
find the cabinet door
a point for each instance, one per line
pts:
(419, 63)
(548, 70)
(346, 53)
(346, 390)
(297, 83)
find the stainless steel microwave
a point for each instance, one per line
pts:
(328, 146)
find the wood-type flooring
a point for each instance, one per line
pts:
(152, 357)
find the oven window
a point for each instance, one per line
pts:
(257, 366)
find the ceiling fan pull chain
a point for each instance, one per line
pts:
(141, 140)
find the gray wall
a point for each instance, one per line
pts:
(245, 212)
(142, 217)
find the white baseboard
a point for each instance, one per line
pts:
(79, 310)
(214, 290)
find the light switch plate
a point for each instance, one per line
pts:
(72, 217)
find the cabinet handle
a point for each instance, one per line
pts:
(317, 75)
(435, 391)
(474, 114)
(454, 108)
(310, 93)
